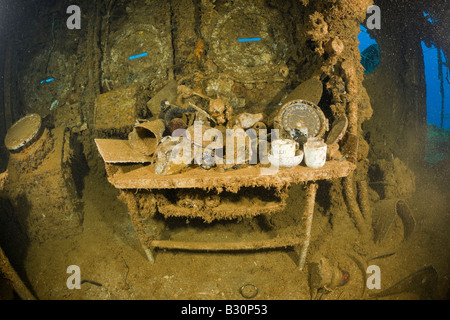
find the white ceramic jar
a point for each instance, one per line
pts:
(315, 150)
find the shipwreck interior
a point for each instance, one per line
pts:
(213, 149)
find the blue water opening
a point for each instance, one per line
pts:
(369, 49)
(437, 78)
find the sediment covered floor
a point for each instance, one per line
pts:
(109, 253)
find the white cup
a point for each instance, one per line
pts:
(284, 148)
(315, 152)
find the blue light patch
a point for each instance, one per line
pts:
(248, 39)
(48, 80)
(139, 56)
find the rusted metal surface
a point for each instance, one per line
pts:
(310, 90)
(308, 216)
(8, 271)
(3, 179)
(151, 241)
(23, 132)
(134, 183)
(145, 178)
(228, 246)
(352, 142)
(138, 222)
(338, 130)
(42, 174)
(354, 210)
(146, 136)
(224, 210)
(364, 201)
(115, 109)
(119, 151)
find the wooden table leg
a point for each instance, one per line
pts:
(129, 198)
(8, 271)
(308, 213)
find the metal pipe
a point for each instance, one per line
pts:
(8, 271)
(309, 212)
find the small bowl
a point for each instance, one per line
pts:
(286, 162)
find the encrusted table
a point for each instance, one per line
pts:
(210, 195)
